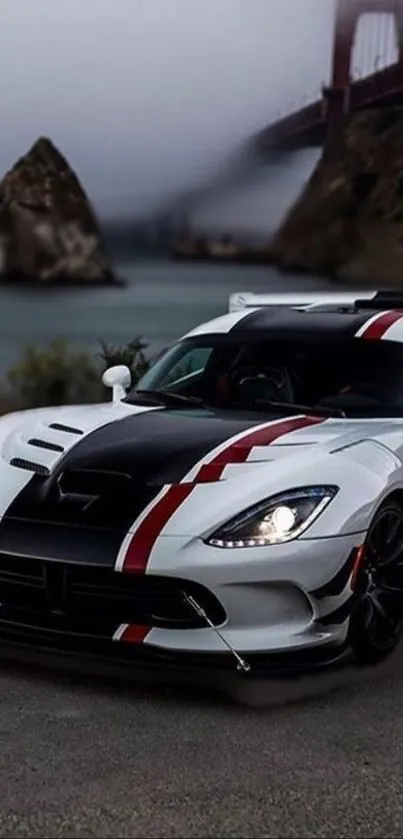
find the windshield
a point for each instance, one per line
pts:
(356, 377)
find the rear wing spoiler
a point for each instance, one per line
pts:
(309, 299)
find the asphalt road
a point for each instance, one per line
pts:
(91, 757)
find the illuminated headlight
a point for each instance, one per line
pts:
(277, 519)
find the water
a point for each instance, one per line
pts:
(162, 301)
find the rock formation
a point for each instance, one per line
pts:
(48, 231)
(348, 223)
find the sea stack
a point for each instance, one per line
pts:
(49, 233)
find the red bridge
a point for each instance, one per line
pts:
(309, 126)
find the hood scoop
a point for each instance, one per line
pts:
(93, 483)
(84, 498)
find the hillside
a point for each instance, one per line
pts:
(348, 222)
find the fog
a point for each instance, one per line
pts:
(257, 207)
(147, 97)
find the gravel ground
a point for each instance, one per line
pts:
(83, 757)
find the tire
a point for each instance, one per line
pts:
(376, 622)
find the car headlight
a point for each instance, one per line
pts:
(277, 519)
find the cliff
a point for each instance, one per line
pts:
(348, 223)
(48, 231)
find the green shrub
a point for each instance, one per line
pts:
(132, 355)
(55, 375)
(59, 374)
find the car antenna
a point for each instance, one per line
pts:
(241, 664)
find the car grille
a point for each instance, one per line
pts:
(94, 600)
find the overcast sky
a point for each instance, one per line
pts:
(144, 96)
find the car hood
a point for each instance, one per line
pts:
(98, 468)
(159, 445)
(148, 442)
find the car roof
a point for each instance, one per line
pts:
(314, 324)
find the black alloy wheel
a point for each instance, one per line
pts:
(376, 623)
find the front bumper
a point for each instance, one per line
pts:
(16, 639)
(276, 598)
(274, 607)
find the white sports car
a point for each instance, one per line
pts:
(241, 507)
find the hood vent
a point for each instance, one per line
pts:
(45, 444)
(58, 426)
(21, 463)
(41, 452)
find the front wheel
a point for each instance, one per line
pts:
(376, 623)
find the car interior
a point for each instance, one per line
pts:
(352, 376)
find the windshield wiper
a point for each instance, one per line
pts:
(169, 398)
(297, 409)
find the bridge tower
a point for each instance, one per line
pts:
(348, 13)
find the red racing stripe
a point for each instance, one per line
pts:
(134, 634)
(148, 531)
(378, 327)
(237, 451)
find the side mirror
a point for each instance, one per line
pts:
(119, 379)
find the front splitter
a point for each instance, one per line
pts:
(245, 689)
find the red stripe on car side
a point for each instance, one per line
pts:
(135, 634)
(378, 327)
(148, 531)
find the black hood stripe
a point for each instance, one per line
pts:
(118, 474)
(136, 552)
(127, 461)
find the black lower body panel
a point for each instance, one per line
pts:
(148, 657)
(74, 609)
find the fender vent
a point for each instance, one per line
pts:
(58, 426)
(29, 466)
(43, 444)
